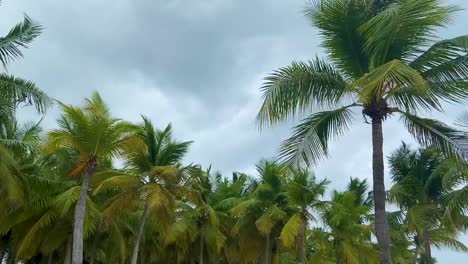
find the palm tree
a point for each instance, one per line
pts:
(93, 136)
(345, 237)
(14, 91)
(156, 175)
(265, 209)
(376, 64)
(303, 192)
(419, 190)
(200, 227)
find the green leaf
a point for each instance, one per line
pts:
(309, 142)
(431, 132)
(402, 27)
(338, 23)
(299, 87)
(15, 90)
(18, 37)
(291, 231)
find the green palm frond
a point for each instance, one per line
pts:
(66, 200)
(384, 80)
(309, 142)
(457, 200)
(28, 243)
(431, 132)
(401, 28)
(301, 86)
(268, 219)
(15, 90)
(339, 24)
(441, 52)
(444, 238)
(19, 37)
(291, 231)
(120, 182)
(118, 205)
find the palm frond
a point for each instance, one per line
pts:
(441, 52)
(15, 90)
(299, 87)
(431, 132)
(389, 78)
(19, 37)
(339, 24)
(401, 28)
(309, 142)
(291, 230)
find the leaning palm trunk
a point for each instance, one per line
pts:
(80, 210)
(267, 249)
(381, 223)
(141, 227)
(427, 247)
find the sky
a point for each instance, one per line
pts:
(196, 64)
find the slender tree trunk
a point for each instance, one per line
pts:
(427, 247)
(267, 249)
(141, 228)
(301, 241)
(201, 248)
(68, 250)
(50, 258)
(381, 223)
(416, 254)
(95, 242)
(80, 211)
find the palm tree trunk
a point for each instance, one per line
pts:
(141, 227)
(381, 223)
(80, 210)
(95, 242)
(302, 241)
(201, 248)
(416, 254)
(68, 250)
(267, 249)
(427, 247)
(50, 258)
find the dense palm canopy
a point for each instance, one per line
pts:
(384, 60)
(99, 189)
(423, 184)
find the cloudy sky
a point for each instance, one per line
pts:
(197, 64)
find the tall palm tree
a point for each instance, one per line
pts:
(304, 193)
(419, 191)
(94, 137)
(376, 63)
(156, 176)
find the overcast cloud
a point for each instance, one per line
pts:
(197, 64)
